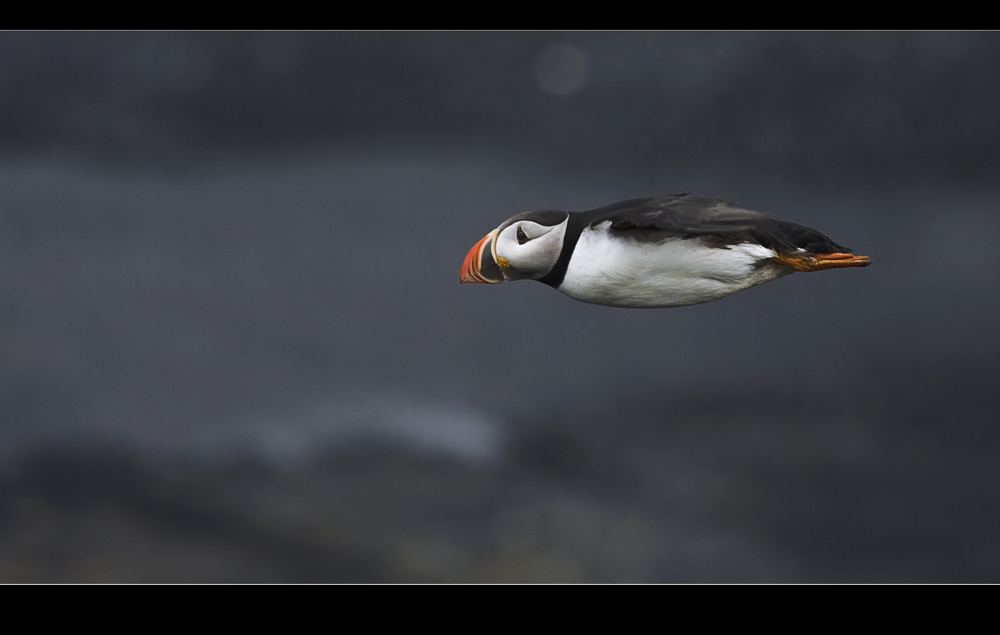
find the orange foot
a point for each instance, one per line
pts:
(818, 262)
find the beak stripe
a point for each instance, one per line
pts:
(479, 264)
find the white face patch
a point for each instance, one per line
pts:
(531, 248)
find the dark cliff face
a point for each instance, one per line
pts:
(231, 324)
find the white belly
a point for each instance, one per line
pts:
(624, 272)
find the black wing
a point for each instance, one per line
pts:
(715, 221)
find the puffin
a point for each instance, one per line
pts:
(667, 251)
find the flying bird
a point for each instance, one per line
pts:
(652, 252)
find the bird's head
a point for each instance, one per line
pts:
(524, 247)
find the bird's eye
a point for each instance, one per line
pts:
(521, 236)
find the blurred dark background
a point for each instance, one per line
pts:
(233, 346)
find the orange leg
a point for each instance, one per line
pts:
(818, 262)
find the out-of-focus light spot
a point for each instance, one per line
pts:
(874, 47)
(279, 52)
(561, 70)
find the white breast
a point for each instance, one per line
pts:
(619, 271)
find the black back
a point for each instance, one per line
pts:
(717, 222)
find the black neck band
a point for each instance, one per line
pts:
(575, 225)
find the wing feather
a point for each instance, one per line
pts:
(715, 221)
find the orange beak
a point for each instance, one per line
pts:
(479, 265)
